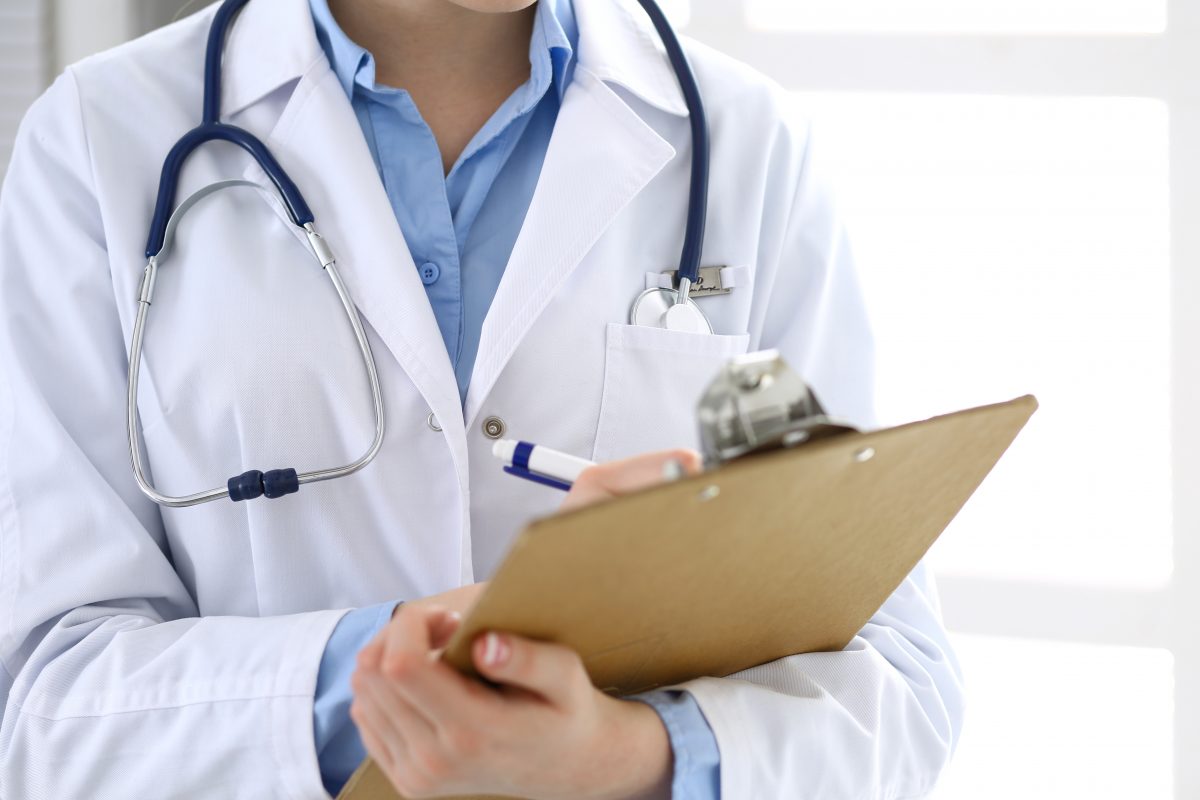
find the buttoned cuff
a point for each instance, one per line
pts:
(697, 757)
(339, 748)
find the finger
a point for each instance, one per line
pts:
(368, 657)
(553, 671)
(408, 720)
(410, 634)
(629, 475)
(444, 630)
(440, 694)
(375, 747)
(446, 729)
(374, 722)
(639, 472)
(412, 669)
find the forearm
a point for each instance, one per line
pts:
(696, 759)
(110, 704)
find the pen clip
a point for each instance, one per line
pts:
(521, 472)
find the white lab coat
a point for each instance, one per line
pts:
(150, 652)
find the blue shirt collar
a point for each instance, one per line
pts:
(551, 50)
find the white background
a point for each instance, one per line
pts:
(1022, 182)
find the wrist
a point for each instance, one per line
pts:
(640, 758)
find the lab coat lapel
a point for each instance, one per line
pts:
(601, 155)
(319, 141)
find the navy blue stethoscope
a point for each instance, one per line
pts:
(662, 307)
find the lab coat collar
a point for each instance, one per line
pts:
(270, 44)
(551, 49)
(618, 44)
(579, 193)
(274, 42)
(318, 140)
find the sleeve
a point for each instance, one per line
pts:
(339, 747)
(112, 685)
(696, 757)
(879, 719)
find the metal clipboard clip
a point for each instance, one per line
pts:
(758, 403)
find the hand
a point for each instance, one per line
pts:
(543, 733)
(613, 478)
(457, 601)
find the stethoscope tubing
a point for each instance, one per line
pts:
(324, 256)
(693, 236)
(277, 483)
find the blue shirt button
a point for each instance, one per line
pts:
(429, 273)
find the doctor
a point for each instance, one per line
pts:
(493, 221)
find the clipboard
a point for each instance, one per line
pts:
(785, 552)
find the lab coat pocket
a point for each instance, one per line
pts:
(653, 379)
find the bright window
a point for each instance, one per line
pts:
(1049, 721)
(961, 16)
(1021, 185)
(1036, 231)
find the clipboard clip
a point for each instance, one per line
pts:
(758, 403)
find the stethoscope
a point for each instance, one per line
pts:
(662, 307)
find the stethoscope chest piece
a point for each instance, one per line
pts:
(663, 308)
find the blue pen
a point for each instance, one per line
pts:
(539, 464)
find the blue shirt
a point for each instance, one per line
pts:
(460, 228)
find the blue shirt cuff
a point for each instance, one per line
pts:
(339, 748)
(697, 758)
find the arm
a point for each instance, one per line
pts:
(697, 761)
(112, 684)
(881, 718)
(338, 744)
(339, 747)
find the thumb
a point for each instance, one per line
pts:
(551, 670)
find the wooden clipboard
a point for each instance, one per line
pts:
(786, 552)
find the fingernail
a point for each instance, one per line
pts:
(673, 470)
(495, 650)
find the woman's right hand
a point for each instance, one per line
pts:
(614, 478)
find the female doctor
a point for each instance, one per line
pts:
(499, 180)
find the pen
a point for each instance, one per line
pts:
(539, 464)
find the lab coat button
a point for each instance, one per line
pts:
(432, 422)
(493, 427)
(430, 272)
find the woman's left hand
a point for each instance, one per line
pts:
(543, 733)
